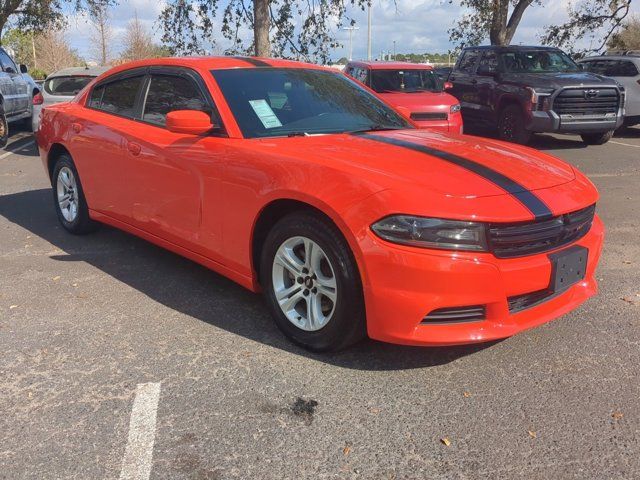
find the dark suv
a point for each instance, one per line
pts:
(522, 90)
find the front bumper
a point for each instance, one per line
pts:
(550, 121)
(404, 284)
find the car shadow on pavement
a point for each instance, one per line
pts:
(539, 141)
(194, 290)
(629, 132)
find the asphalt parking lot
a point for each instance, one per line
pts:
(85, 321)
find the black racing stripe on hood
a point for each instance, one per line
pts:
(253, 61)
(536, 206)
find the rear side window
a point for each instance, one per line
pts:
(118, 97)
(360, 74)
(468, 61)
(168, 93)
(612, 68)
(489, 61)
(66, 86)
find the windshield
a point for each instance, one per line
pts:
(407, 81)
(270, 102)
(537, 61)
(66, 86)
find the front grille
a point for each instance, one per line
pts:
(518, 303)
(428, 116)
(528, 238)
(586, 101)
(456, 314)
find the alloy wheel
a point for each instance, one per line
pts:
(67, 190)
(304, 283)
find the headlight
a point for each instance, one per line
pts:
(432, 233)
(455, 108)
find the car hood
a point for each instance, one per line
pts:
(390, 159)
(424, 101)
(557, 80)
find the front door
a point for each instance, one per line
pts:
(176, 174)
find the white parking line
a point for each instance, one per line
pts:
(625, 144)
(18, 148)
(138, 456)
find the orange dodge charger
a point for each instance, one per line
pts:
(295, 180)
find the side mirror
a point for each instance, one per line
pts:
(447, 86)
(191, 122)
(23, 68)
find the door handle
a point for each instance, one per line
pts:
(76, 127)
(474, 81)
(452, 77)
(134, 148)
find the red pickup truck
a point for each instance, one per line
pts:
(413, 87)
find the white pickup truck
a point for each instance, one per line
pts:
(16, 95)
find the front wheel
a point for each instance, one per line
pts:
(511, 125)
(312, 284)
(68, 196)
(597, 138)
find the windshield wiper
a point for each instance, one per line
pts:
(297, 134)
(375, 128)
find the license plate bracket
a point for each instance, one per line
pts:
(568, 267)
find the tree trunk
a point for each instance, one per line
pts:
(261, 25)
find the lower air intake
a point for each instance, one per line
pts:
(456, 314)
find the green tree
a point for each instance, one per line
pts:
(298, 29)
(628, 38)
(498, 21)
(41, 15)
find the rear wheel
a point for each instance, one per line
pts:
(312, 284)
(511, 125)
(69, 199)
(597, 138)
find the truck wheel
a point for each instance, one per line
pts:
(4, 129)
(596, 138)
(511, 125)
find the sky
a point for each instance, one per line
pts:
(417, 26)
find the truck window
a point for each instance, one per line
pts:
(468, 61)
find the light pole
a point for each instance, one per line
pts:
(369, 33)
(394, 50)
(351, 29)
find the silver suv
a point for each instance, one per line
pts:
(16, 95)
(624, 67)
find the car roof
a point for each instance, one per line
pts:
(216, 63)
(79, 71)
(373, 65)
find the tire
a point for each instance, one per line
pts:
(4, 129)
(597, 138)
(75, 219)
(511, 125)
(340, 318)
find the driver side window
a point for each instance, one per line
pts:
(167, 93)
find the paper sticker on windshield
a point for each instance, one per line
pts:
(265, 114)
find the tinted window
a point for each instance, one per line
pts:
(167, 93)
(612, 68)
(117, 97)
(488, 62)
(7, 64)
(412, 80)
(537, 61)
(278, 102)
(66, 86)
(468, 60)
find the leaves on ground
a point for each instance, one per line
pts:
(445, 441)
(532, 434)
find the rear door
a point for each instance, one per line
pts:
(487, 84)
(98, 145)
(465, 82)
